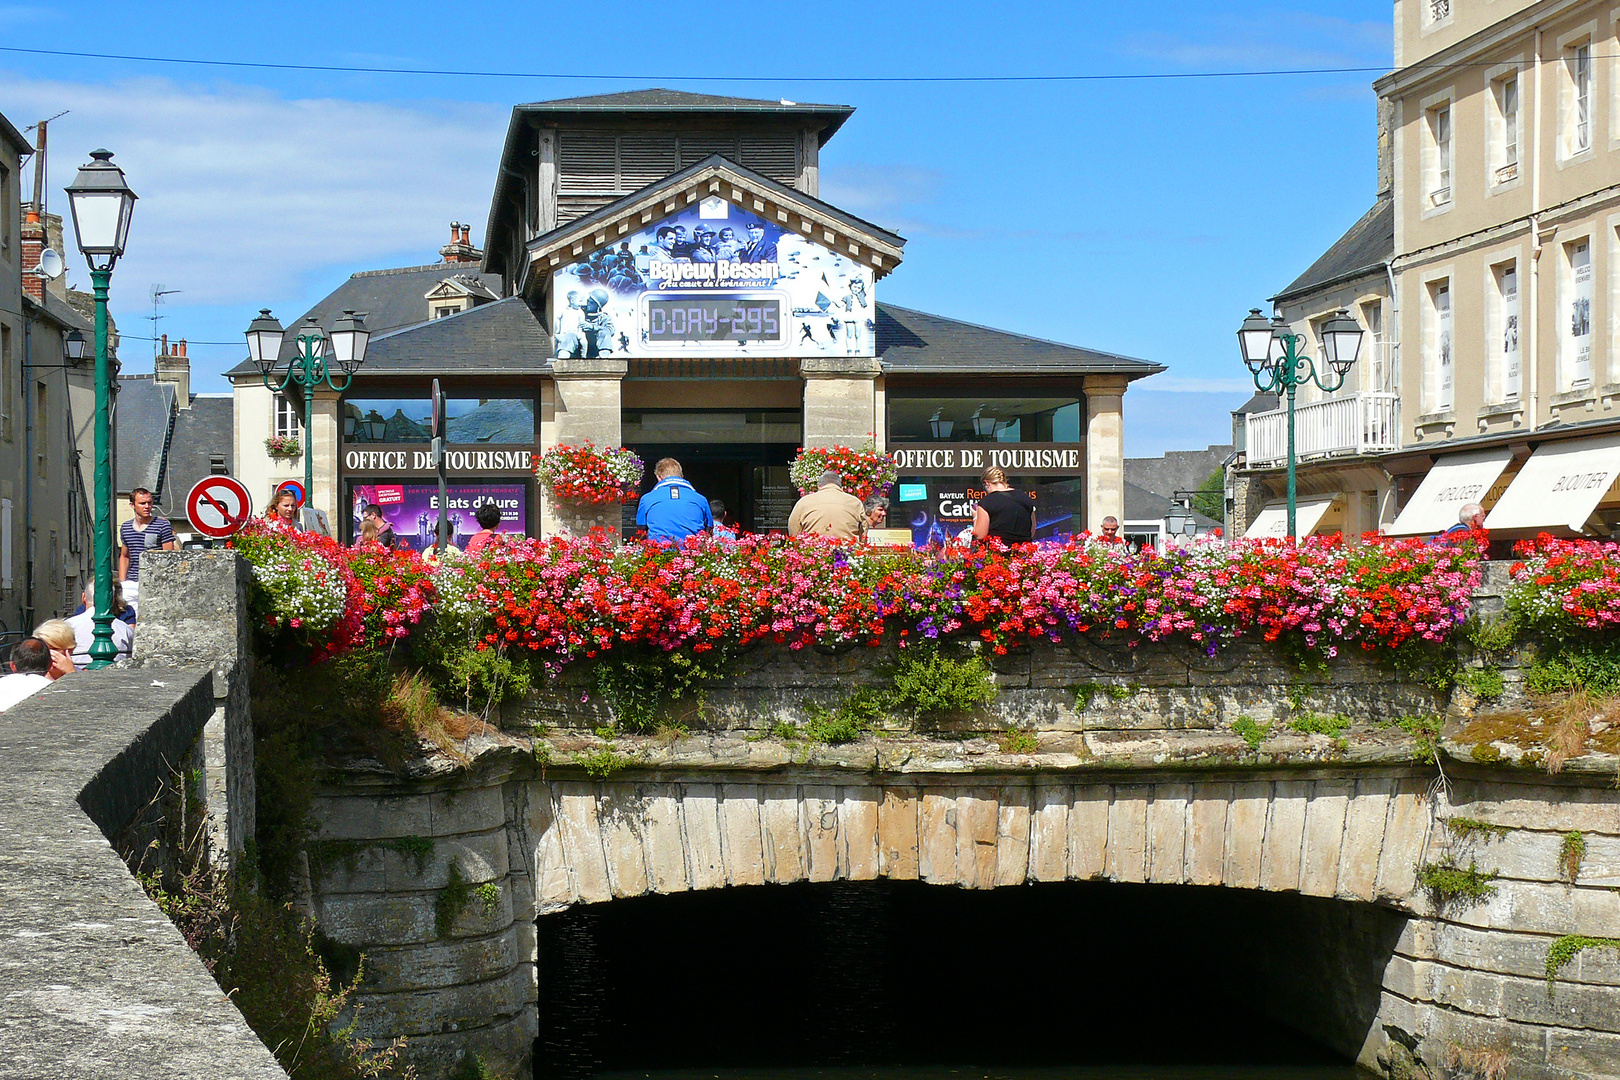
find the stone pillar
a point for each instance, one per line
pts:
(1105, 449)
(840, 400)
(194, 611)
(323, 437)
(585, 407)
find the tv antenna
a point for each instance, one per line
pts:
(158, 293)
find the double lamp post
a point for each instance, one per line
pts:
(1279, 364)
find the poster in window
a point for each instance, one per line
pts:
(413, 509)
(713, 279)
(1510, 333)
(938, 510)
(1442, 315)
(1580, 313)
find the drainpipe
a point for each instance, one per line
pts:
(1533, 368)
(28, 475)
(1392, 380)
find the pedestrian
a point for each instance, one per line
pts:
(282, 513)
(488, 516)
(30, 672)
(874, 513)
(723, 529)
(1003, 514)
(1470, 518)
(140, 534)
(59, 637)
(385, 531)
(1109, 533)
(672, 510)
(827, 511)
(84, 627)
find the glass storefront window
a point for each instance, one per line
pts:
(468, 420)
(958, 418)
(656, 427)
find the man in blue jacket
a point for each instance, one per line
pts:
(672, 510)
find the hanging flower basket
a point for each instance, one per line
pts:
(590, 474)
(283, 446)
(865, 472)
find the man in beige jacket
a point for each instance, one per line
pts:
(827, 511)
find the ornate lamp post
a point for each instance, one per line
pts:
(318, 353)
(102, 204)
(1279, 364)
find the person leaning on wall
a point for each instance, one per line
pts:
(1003, 514)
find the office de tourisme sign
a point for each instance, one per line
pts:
(1024, 459)
(415, 459)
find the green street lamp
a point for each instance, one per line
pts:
(1279, 364)
(318, 353)
(102, 204)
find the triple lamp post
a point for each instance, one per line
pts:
(310, 367)
(1278, 362)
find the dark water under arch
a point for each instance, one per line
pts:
(906, 981)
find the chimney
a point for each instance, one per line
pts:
(460, 250)
(174, 367)
(33, 242)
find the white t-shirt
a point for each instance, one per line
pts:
(84, 629)
(15, 687)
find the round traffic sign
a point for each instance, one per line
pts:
(294, 486)
(218, 506)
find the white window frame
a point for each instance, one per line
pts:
(1612, 364)
(1433, 400)
(1375, 363)
(1438, 172)
(1568, 147)
(1504, 170)
(1498, 390)
(285, 419)
(1562, 320)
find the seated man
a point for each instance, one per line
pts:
(84, 626)
(30, 667)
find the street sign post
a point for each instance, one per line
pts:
(217, 506)
(442, 533)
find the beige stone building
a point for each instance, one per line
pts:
(662, 274)
(45, 537)
(1495, 361)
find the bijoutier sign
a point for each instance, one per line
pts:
(1023, 459)
(415, 458)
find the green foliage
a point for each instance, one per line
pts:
(1485, 753)
(542, 752)
(640, 684)
(1425, 732)
(489, 894)
(1464, 828)
(1251, 732)
(785, 731)
(933, 685)
(451, 902)
(1086, 693)
(855, 716)
(1210, 498)
(1566, 948)
(1017, 741)
(1315, 723)
(1446, 882)
(1493, 635)
(417, 848)
(1593, 666)
(605, 731)
(1571, 854)
(1484, 683)
(472, 1067)
(1434, 665)
(602, 762)
(477, 679)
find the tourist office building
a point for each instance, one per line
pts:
(659, 273)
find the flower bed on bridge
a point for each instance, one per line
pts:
(563, 599)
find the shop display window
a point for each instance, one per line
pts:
(972, 417)
(468, 420)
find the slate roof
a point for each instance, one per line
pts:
(1369, 245)
(63, 314)
(503, 338)
(915, 342)
(1259, 403)
(200, 432)
(1144, 505)
(389, 299)
(677, 180)
(17, 140)
(657, 100)
(143, 430)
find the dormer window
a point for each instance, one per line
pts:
(441, 310)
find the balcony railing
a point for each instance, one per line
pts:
(1363, 423)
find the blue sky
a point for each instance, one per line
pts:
(1140, 217)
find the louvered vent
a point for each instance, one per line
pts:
(772, 154)
(644, 159)
(588, 162)
(570, 207)
(699, 145)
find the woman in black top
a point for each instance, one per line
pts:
(1003, 514)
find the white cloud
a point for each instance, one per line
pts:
(1275, 39)
(243, 193)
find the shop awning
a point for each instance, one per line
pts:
(1272, 520)
(1559, 486)
(1455, 481)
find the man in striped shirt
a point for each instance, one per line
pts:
(142, 534)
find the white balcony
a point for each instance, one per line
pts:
(1362, 423)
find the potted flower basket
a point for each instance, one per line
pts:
(865, 471)
(283, 446)
(590, 474)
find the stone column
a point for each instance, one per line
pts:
(840, 400)
(585, 407)
(1105, 449)
(323, 436)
